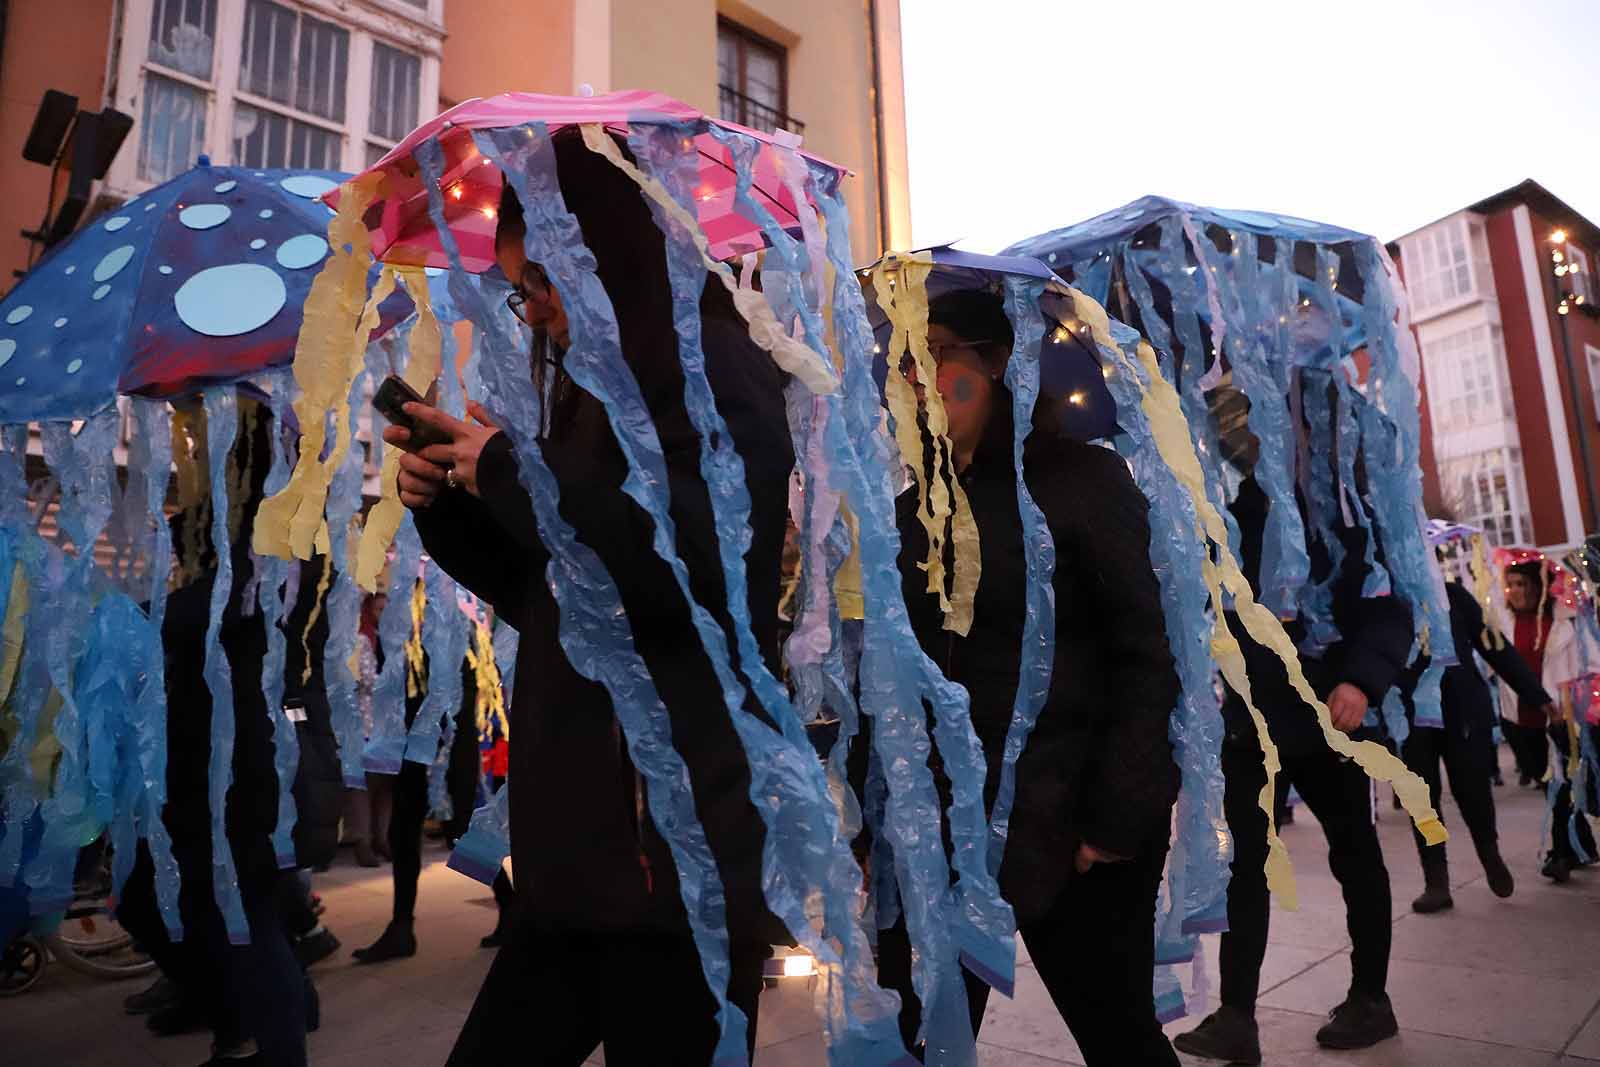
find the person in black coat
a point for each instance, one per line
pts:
(1349, 676)
(1466, 744)
(601, 950)
(1096, 782)
(244, 993)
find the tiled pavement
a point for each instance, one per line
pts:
(1493, 983)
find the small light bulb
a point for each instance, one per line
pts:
(455, 191)
(1559, 237)
(1077, 398)
(799, 966)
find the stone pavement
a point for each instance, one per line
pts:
(1501, 983)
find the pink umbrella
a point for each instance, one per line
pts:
(403, 232)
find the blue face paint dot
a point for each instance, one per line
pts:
(75, 366)
(100, 293)
(225, 187)
(306, 250)
(19, 314)
(308, 185)
(258, 244)
(112, 263)
(231, 300)
(8, 348)
(61, 322)
(117, 223)
(266, 213)
(204, 216)
(164, 269)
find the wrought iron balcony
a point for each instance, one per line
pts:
(748, 111)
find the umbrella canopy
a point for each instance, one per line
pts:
(403, 232)
(198, 281)
(1071, 375)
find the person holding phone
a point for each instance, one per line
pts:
(597, 891)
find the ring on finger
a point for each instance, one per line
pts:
(450, 481)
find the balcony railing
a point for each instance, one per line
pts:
(748, 111)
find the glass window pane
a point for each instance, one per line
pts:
(172, 130)
(182, 35)
(323, 69)
(396, 88)
(266, 139)
(266, 61)
(763, 76)
(375, 152)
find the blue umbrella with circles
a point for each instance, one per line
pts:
(198, 281)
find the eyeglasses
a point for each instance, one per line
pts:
(534, 285)
(940, 351)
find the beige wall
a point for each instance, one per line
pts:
(43, 51)
(500, 46)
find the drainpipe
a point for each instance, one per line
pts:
(877, 126)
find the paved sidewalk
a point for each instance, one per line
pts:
(1501, 983)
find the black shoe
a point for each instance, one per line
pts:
(398, 942)
(315, 947)
(1227, 1034)
(500, 935)
(1434, 898)
(161, 993)
(1361, 1021)
(176, 1018)
(1524, 781)
(1558, 869)
(1501, 884)
(222, 1059)
(365, 856)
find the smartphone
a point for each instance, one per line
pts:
(393, 393)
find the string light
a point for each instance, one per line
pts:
(1559, 237)
(1077, 398)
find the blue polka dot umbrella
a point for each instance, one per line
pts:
(200, 280)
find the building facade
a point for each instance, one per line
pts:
(333, 84)
(1503, 306)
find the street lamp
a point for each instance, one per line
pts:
(1566, 300)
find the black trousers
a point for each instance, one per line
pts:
(405, 835)
(550, 999)
(1094, 949)
(254, 991)
(1339, 794)
(1528, 746)
(1561, 826)
(1468, 756)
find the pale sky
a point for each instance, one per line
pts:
(1376, 115)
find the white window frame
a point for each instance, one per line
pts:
(397, 23)
(1517, 516)
(1424, 274)
(1591, 356)
(1443, 371)
(1577, 280)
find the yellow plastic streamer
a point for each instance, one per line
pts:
(1160, 403)
(11, 631)
(901, 281)
(421, 371)
(328, 355)
(323, 582)
(790, 353)
(491, 704)
(413, 646)
(1483, 588)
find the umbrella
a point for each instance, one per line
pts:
(198, 281)
(1070, 372)
(403, 232)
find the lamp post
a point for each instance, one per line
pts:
(1565, 302)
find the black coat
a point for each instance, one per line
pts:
(1375, 638)
(1098, 766)
(1467, 703)
(585, 852)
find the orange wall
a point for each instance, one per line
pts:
(498, 46)
(43, 50)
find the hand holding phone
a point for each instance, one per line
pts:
(390, 400)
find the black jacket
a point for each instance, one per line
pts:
(1467, 703)
(582, 840)
(1375, 638)
(1098, 766)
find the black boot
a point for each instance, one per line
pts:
(1227, 1034)
(500, 935)
(1501, 884)
(1436, 895)
(156, 997)
(398, 942)
(1557, 868)
(1361, 1021)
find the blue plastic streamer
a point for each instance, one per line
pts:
(345, 597)
(222, 425)
(506, 641)
(594, 628)
(968, 924)
(1325, 516)
(806, 860)
(151, 454)
(1377, 582)
(1252, 296)
(483, 849)
(1037, 659)
(444, 637)
(271, 574)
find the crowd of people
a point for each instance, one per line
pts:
(596, 884)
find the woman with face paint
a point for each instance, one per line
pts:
(1096, 782)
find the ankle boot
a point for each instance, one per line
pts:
(397, 942)
(1436, 895)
